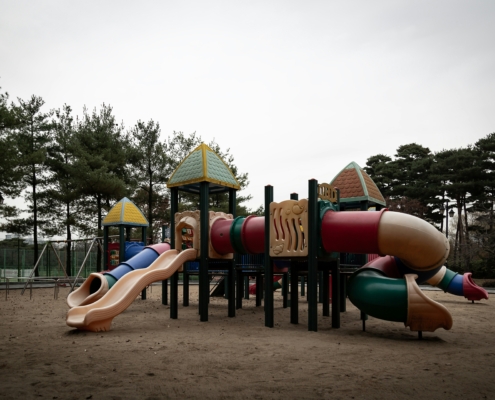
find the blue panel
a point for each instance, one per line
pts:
(132, 248)
(142, 259)
(120, 271)
(456, 286)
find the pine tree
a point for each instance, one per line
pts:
(61, 201)
(33, 136)
(11, 183)
(460, 171)
(406, 181)
(101, 166)
(150, 166)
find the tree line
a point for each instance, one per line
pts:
(460, 182)
(71, 170)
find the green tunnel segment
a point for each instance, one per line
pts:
(379, 296)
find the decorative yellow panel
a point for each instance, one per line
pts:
(327, 192)
(288, 227)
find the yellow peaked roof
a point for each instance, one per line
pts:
(125, 212)
(203, 165)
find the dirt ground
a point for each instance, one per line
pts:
(147, 355)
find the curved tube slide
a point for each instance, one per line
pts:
(98, 316)
(414, 249)
(379, 290)
(96, 285)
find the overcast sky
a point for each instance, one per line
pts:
(295, 89)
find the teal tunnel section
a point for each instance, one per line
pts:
(240, 235)
(140, 260)
(379, 296)
(378, 290)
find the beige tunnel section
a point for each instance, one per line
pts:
(417, 243)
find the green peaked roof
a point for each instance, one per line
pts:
(203, 165)
(356, 185)
(125, 212)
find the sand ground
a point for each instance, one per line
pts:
(147, 355)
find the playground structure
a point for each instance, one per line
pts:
(309, 234)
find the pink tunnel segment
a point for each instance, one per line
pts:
(351, 231)
(160, 247)
(220, 236)
(253, 234)
(471, 290)
(387, 265)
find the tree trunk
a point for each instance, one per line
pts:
(460, 231)
(150, 208)
(99, 234)
(35, 222)
(68, 266)
(456, 246)
(446, 212)
(468, 240)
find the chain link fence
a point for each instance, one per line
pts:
(16, 263)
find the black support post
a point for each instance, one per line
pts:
(143, 239)
(165, 282)
(143, 235)
(269, 311)
(204, 282)
(259, 288)
(336, 294)
(325, 293)
(174, 207)
(285, 290)
(174, 295)
(294, 283)
(239, 289)
(312, 255)
(185, 287)
(294, 292)
(343, 292)
(121, 244)
(246, 288)
(105, 248)
(232, 265)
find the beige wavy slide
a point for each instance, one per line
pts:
(98, 316)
